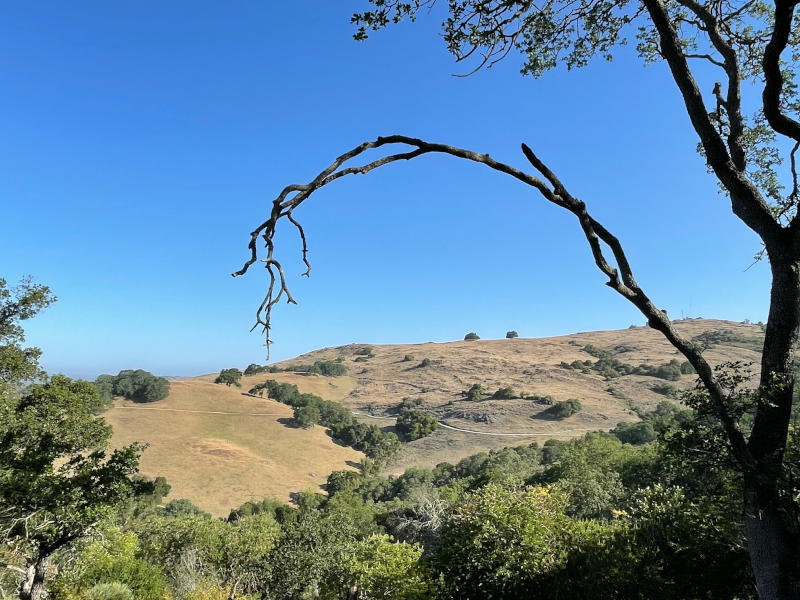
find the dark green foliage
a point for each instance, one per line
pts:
(365, 351)
(339, 420)
(328, 368)
(472, 336)
(475, 392)
(160, 489)
(415, 424)
(546, 400)
(57, 477)
(425, 362)
(181, 507)
(665, 417)
(510, 335)
(229, 377)
(609, 367)
(408, 358)
(635, 433)
(306, 416)
(138, 386)
(564, 409)
(505, 393)
(665, 389)
(687, 368)
(254, 369)
(19, 365)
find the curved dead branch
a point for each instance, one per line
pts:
(618, 270)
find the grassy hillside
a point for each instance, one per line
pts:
(219, 447)
(529, 366)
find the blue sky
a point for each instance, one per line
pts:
(140, 142)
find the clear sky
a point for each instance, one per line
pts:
(140, 142)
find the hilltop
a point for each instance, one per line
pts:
(532, 367)
(219, 447)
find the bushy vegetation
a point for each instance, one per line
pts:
(665, 417)
(610, 367)
(475, 393)
(425, 362)
(230, 377)
(728, 337)
(329, 368)
(255, 369)
(665, 389)
(564, 409)
(510, 335)
(505, 393)
(547, 400)
(365, 351)
(472, 336)
(138, 386)
(588, 518)
(415, 424)
(310, 410)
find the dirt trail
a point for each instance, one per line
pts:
(204, 412)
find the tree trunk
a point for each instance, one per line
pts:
(772, 536)
(32, 587)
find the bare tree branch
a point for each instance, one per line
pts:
(620, 278)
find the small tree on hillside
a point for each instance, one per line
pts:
(510, 335)
(229, 377)
(472, 336)
(475, 392)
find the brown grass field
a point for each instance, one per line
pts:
(220, 460)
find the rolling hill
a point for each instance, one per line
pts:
(219, 447)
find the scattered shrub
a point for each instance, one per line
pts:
(408, 358)
(565, 408)
(505, 393)
(687, 368)
(365, 351)
(472, 336)
(510, 335)
(415, 424)
(426, 362)
(475, 392)
(546, 400)
(254, 369)
(665, 389)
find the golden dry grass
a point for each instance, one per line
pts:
(527, 365)
(219, 460)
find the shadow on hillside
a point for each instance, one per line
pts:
(352, 463)
(287, 422)
(545, 415)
